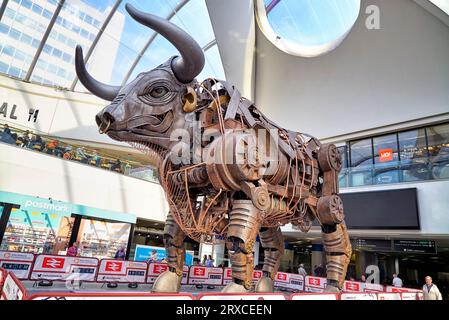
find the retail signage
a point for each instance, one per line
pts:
(155, 269)
(143, 253)
(12, 289)
(372, 245)
(358, 296)
(205, 275)
(289, 281)
(314, 296)
(386, 155)
(242, 296)
(122, 271)
(315, 284)
(62, 268)
(110, 296)
(415, 246)
(50, 206)
(19, 263)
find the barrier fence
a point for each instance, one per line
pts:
(26, 266)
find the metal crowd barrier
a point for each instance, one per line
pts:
(27, 266)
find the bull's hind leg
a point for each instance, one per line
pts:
(242, 232)
(273, 243)
(338, 253)
(170, 280)
(330, 212)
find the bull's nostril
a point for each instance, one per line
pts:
(108, 118)
(98, 120)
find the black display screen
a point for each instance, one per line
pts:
(388, 209)
(415, 246)
(371, 245)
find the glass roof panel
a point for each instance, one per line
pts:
(124, 38)
(79, 22)
(22, 26)
(214, 66)
(305, 27)
(442, 4)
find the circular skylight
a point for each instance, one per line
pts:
(307, 28)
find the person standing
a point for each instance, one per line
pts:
(73, 250)
(120, 254)
(431, 291)
(302, 271)
(153, 257)
(397, 282)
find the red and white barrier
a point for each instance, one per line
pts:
(227, 278)
(3, 275)
(63, 268)
(289, 281)
(373, 288)
(358, 296)
(389, 296)
(205, 275)
(353, 286)
(20, 263)
(400, 290)
(314, 296)
(13, 289)
(155, 269)
(315, 284)
(241, 296)
(122, 271)
(412, 296)
(110, 296)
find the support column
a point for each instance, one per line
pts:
(317, 257)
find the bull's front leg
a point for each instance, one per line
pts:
(170, 280)
(242, 232)
(273, 244)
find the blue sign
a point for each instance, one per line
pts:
(143, 253)
(65, 209)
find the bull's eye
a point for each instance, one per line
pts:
(158, 92)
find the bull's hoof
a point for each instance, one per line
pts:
(265, 285)
(332, 289)
(167, 282)
(234, 288)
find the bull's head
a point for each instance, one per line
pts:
(147, 110)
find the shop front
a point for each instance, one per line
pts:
(46, 226)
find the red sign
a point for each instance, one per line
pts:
(199, 272)
(228, 273)
(314, 282)
(160, 268)
(114, 266)
(352, 286)
(281, 276)
(386, 155)
(53, 263)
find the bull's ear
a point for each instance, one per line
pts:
(190, 100)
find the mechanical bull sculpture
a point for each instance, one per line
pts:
(234, 190)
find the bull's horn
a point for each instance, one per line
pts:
(191, 62)
(99, 89)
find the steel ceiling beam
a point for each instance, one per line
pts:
(44, 40)
(97, 38)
